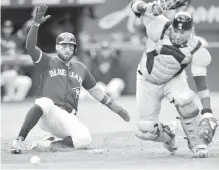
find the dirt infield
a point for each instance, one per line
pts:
(113, 146)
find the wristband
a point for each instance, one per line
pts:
(106, 100)
(206, 111)
(109, 102)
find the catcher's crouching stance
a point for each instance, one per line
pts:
(62, 78)
(172, 46)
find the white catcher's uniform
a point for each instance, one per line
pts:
(161, 70)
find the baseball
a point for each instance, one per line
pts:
(35, 160)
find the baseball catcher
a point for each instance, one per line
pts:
(170, 48)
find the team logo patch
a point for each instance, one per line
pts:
(67, 37)
(76, 92)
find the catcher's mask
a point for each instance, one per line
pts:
(182, 27)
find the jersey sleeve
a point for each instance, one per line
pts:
(201, 59)
(155, 28)
(89, 81)
(154, 23)
(42, 62)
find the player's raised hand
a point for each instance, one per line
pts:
(120, 111)
(40, 11)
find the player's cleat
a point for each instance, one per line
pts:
(43, 143)
(200, 151)
(170, 129)
(17, 146)
(171, 146)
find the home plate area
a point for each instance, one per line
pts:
(115, 150)
(113, 145)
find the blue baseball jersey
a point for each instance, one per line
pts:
(62, 83)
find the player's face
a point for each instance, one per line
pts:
(179, 37)
(65, 51)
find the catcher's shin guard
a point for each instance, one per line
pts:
(189, 113)
(195, 143)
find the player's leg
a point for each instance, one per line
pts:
(115, 87)
(178, 92)
(44, 143)
(41, 107)
(149, 98)
(78, 132)
(23, 85)
(62, 125)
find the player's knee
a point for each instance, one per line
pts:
(152, 131)
(186, 105)
(45, 103)
(184, 97)
(147, 126)
(82, 142)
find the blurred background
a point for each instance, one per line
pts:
(110, 40)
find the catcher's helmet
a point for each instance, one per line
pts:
(183, 21)
(67, 38)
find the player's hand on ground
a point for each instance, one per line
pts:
(120, 111)
(40, 11)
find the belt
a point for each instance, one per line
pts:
(71, 111)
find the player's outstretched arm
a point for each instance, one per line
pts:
(38, 18)
(201, 59)
(99, 95)
(89, 83)
(208, 123)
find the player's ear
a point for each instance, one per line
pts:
(75, 50)
(57, 47)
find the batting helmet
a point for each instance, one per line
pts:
(183, 21)
(67, 38)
